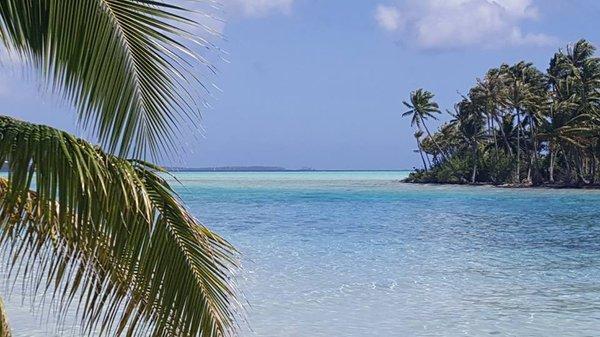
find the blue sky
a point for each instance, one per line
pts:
(320, 83)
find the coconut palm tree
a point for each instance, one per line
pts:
(470, 126)
(98, 228)
(472, 131)
(574, 76)
(494, 93)
(536, 109)
(490, 94)
(560, 133)
(423, 107)
(519, 96)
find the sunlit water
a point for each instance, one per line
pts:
(359, 254)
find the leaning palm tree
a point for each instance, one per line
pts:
(562, 132)
(472, 131)
(490, 94)
(469, 124)
(98, 228)
(421, 108)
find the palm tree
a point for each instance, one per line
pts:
(472, 131)
(536, 110)
(519, 96)
(421, 108)
(492, 91)
(560, 137)
(98, 227)
(490, 97)
(469, 124)
(574, 76)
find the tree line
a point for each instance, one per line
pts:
(516, 125)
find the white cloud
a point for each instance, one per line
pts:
(444, 24)
(388, 17)
(214, 15)
(258, 8)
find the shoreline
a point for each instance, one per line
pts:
(554, 186)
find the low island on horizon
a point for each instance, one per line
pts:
(259, 168)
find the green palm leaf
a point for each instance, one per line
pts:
(125, 64)
(109, 237)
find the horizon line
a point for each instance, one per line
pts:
(271, 169)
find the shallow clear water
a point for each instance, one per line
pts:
(360, 254)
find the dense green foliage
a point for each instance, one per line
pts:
(98, 229)
(517, 125)
(109, 236)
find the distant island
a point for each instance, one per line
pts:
(4, 168)
(518, 126)
(237, 169)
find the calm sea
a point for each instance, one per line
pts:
(358, 254)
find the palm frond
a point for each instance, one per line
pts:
(109, 237)
(125, 64)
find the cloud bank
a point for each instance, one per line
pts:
(448, 24)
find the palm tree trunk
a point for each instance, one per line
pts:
(422, 158)
(518, 173)
(534, 152)
(536, 160)
(504, 136)
(474, 174)
(579, 170)
(594, 165)
(495, 138)
(433, 140)
(568, 164)
(495, 134)
(4, 328)
(552, 159)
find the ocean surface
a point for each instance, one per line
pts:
(358, 254)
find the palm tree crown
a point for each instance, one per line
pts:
(421, 107)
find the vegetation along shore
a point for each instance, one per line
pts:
(518, 126)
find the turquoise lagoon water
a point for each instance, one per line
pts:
(359, 254)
